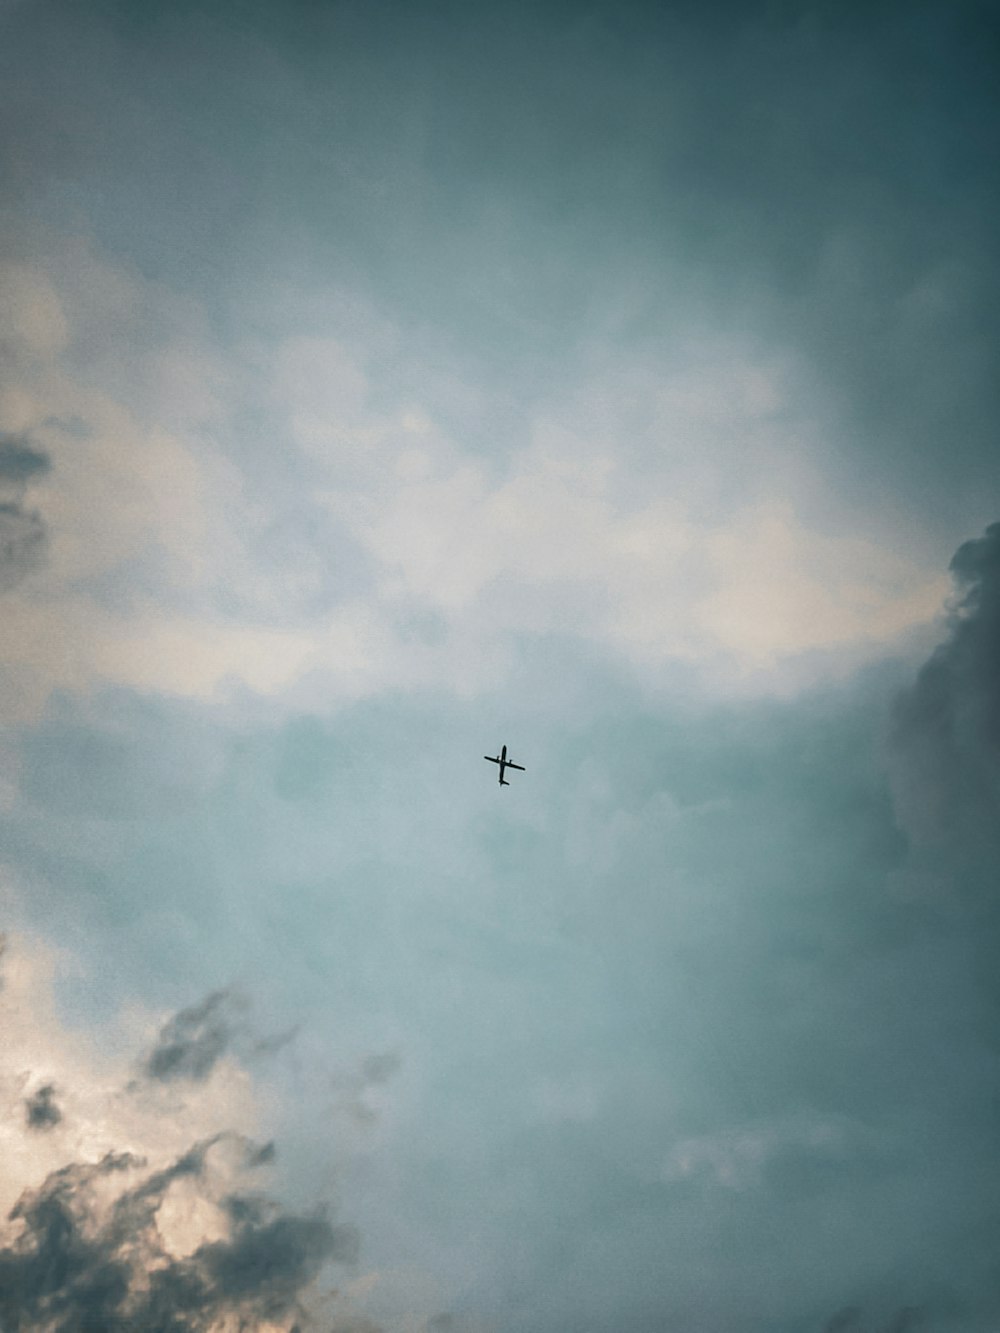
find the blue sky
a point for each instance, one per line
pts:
(386, 383)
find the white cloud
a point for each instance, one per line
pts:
(167, 1158)
(90, 1071)
(736, 1158)
(553, 547)
(661, 517)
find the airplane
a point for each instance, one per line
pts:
(504, 763)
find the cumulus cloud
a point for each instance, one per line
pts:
(141, 1205)
(82, 1259)
(171, 568)
(945, 737)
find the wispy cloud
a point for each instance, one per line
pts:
(173, 569)
(193, 1040)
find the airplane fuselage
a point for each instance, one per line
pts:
(504, 763)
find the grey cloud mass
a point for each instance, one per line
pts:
(945, 739)
(78, 1264)
(193, 1040)
(19, 462)
(41, 1111)
(520, 180)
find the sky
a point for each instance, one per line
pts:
(385, 383)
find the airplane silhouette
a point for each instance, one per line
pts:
(504, 763)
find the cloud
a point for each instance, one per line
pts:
(23, 534)
(944, 743)
(19, 462)
(23, 540)
(90, 1257)
(191, 1043)
(797, 1155)
(373, 1072)
(176, 566)
(640, 548)
(41, 1109)
(193, 1040)
(141, 1205)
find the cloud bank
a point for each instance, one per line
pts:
(81, 1260)
(141, 1235)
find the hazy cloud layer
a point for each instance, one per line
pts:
(550, 975)
(614, 381)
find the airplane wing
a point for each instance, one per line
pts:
(519, 766)
(496, 761)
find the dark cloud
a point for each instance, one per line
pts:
(262, 1156)
(23, 534)
(41, 1111)
(22, 544)
(19, 462)
(75, 1265)
(194, 1040)
(945, 739)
